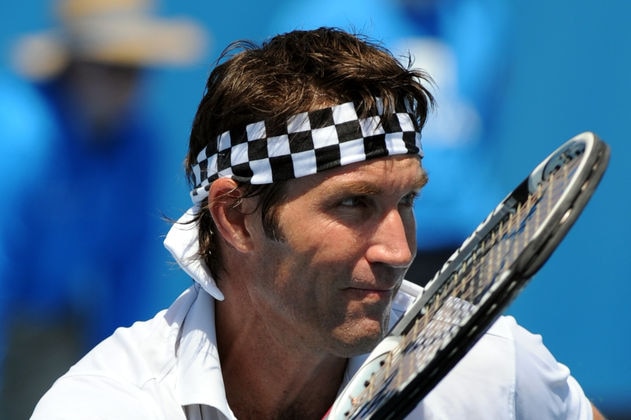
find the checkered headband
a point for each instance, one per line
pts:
(309, 143)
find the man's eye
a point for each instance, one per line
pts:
(409, 199)
(352, 202)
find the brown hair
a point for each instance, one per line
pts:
(291, 73)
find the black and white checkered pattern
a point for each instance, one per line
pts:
(309, 143)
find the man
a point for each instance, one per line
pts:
(305, 160)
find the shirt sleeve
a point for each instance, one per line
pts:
(544, 388)
(75, 397)
(507, 374)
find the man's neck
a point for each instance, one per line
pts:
(266, 379)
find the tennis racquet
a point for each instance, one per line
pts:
(475, 284)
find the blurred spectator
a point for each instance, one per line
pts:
(83, 236)
(24, 125)
(464, 45)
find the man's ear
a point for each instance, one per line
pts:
(226, 207)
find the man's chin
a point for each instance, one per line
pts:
(360, 339)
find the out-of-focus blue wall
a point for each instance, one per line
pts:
(571, 67)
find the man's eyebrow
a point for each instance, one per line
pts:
(369, 188)
(359, 188)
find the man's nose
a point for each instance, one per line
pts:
(393, 241)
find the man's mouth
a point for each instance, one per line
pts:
(365, 293)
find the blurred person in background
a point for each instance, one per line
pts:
(24, 125)
(79, 248)
(465, 46)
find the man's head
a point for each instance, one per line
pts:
(294, 73)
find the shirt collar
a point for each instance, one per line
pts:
(182, 241)
(198, 376)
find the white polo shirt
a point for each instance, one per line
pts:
(168, 367)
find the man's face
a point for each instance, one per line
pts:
(348, 239)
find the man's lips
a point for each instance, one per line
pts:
(384, 284)
(374, 286)
(368, 292)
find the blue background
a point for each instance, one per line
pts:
(571, 73)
